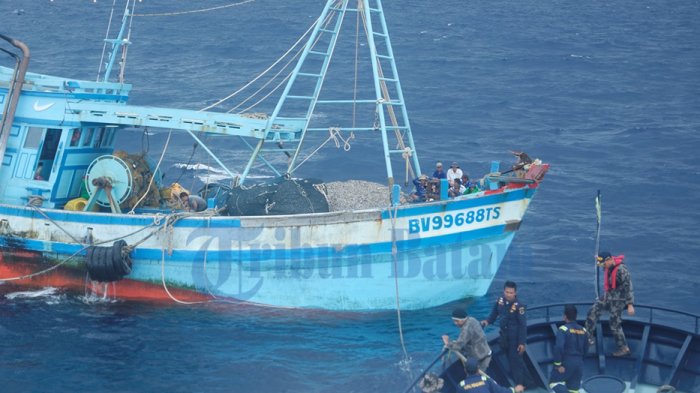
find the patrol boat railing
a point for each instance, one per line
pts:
(649, 319)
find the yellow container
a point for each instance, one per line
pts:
(77, 204)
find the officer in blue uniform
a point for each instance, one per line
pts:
(571, 345)
(513, 331)
(478, 383)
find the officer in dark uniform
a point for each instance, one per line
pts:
(478, 383)
(513, 331)
(571, 345)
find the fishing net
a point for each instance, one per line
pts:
(298, 196)
(141, 174)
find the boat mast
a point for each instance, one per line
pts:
(116, 44)
(307, 79)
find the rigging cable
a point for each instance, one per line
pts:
(334, 136)
(264, 71)
(326, 22)
(199, 10)
(104, 45)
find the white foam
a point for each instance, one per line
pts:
(48, 291)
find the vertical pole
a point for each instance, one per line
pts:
(495, 167)
(377, 89)
(395, 195)
(14, 91)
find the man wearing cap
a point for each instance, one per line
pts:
(471, 341)
(513, 331)
(453, 173)
(619, 295)
(475, 382)
(421, 182)
(439, 172)
(570, 346)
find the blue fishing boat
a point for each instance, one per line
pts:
(665, 355)
(76, 212)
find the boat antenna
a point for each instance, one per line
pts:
(598, 212)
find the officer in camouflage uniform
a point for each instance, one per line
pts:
(618, 296)
(513, 332)
(471, 341)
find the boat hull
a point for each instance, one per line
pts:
(427, 254)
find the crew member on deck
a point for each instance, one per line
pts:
(193, 203)
(475, 382)
(421, 184)
(471, 341)
(513, 331)
(618, 296)
(571, 345)
(439, 172)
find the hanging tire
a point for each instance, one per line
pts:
(108, 264)
(120, 258)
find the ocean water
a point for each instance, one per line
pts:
(607, 92)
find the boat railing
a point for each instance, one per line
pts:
(652, 312)
(52, 84)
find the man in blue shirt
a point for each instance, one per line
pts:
(421, 183)
(570, 347)
(513, 331)
(439, 173)
(478, 383)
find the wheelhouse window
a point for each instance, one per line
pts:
(109, 137)
(98, 137)
(88, 137)
(75, 137)
(33, 139)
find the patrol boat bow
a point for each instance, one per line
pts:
(665, 346)
(58, 131)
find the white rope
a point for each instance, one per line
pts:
(40, 211)
(255, 93)
(165, 286)
(199, 10)
(263, 72)
(407, 153)
(334, 136)
(282, 82)
(393, 213)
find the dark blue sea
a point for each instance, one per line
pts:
(607, 92)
